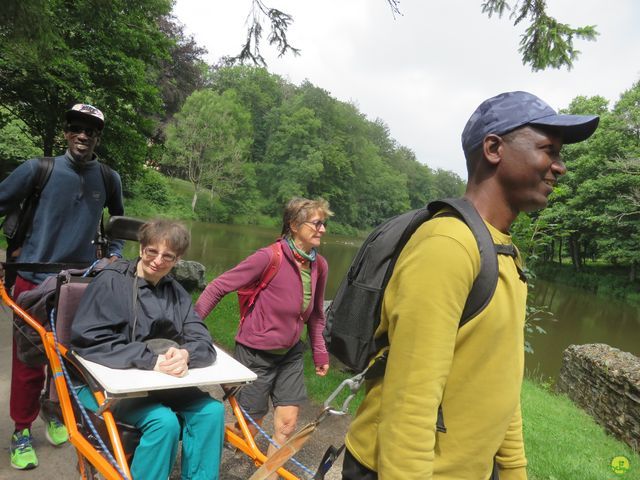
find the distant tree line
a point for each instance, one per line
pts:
(254, 140)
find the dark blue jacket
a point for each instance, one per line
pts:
(68, 214)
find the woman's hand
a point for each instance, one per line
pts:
(175, 362)
(322, 370)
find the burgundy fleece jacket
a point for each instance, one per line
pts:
(276, 320)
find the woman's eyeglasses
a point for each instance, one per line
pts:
(88, 131)
(152, 253)
(318, 223)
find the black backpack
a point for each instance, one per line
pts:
(17, 222)
(354, 314)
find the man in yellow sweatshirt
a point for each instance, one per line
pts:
(512, 145)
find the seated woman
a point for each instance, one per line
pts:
(126, 307)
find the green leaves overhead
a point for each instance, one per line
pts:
(546, 42)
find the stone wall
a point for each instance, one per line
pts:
(606, 383)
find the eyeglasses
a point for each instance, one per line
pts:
(152, 253)
(318, 223)
(88, 131)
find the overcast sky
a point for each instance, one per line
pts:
(423, 73)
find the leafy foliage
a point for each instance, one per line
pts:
(208, 142)
(545, 42)
(279, 22)
(294, 140)
(15, 143)
(111, 54)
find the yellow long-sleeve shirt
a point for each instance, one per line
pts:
(475, 372)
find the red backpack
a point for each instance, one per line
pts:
(247, 295)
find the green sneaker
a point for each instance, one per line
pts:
(56, 432)
(23, 456)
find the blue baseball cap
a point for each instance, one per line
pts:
(510, 110)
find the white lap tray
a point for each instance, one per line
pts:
(134, 382)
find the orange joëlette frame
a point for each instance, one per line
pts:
(84, 449)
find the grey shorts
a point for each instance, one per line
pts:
(280, 377)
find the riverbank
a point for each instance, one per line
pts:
(603, 280)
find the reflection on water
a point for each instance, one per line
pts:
(581, 317)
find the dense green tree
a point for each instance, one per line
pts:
(16, 143)
(183, 70)
(259, 92)
(208, 142)
(105, 53)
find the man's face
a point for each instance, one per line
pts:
(82, 138)
(531, 166)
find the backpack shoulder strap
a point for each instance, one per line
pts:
(484, 286)
(275, 259)
(107, 178)
(45, 167)
(274, 265)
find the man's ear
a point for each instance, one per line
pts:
(98, 140)
(491, 148)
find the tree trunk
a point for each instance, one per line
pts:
(574, 251)
(195, 198)
(560, 251)
(48, 141)
(632, 272)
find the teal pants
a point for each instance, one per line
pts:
(197, 419)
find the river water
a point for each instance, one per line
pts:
(578, 317)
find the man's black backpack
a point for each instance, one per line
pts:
(17, 222)
(354, 314)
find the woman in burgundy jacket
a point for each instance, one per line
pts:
(268, 339)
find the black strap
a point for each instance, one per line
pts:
(107, 178)
(327, 461)
(484, 285)
(110, 190)
(43, 267)
(495, 475)
(134, 301)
